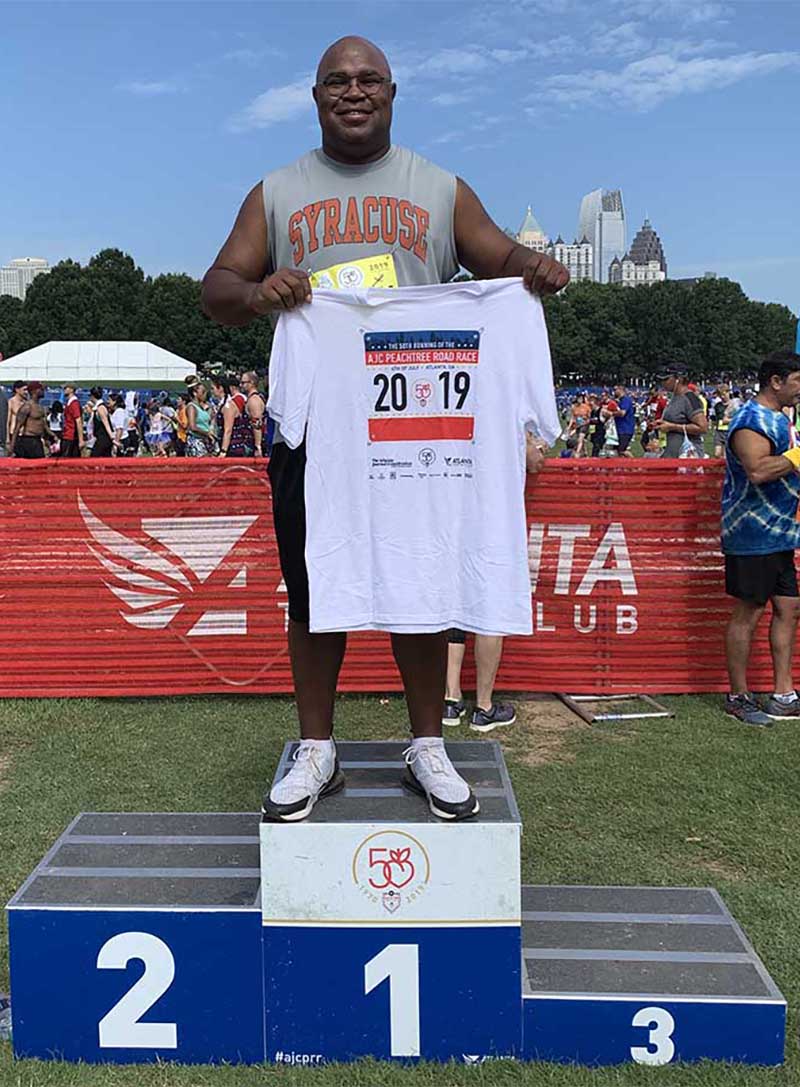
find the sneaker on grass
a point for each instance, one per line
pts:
(745, 708)
(500, 713)
(315, 774)
(430, 773)
(779, 711)
(454, 711)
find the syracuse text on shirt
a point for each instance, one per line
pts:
(373, 219)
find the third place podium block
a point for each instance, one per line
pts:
(386, 932)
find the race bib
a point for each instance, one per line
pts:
(353, 274)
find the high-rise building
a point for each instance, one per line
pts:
(602, 221)
(531, 234)
(17, 275)
(578, 258)
(644, 265)
(647, 246)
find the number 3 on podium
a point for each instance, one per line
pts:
(399, 963)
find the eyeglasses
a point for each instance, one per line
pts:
(338, 83)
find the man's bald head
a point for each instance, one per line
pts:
(352, 49)
(354, 93)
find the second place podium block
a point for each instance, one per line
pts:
(387, 933)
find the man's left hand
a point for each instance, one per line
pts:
(543, 275)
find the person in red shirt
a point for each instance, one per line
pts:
(72, 439)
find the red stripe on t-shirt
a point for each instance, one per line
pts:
(422, 428)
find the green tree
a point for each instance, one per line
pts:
(56, 307)
(172, 317)
(10, 318)
(114, 288)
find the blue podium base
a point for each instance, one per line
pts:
(139, 938)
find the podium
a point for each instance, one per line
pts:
(369, 929)
(386, 931)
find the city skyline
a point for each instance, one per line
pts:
(167, 114)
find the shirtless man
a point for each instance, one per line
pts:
(31, 427)
(19, 394)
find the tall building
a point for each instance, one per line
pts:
(647, 246)
(602, 221)
(531, 234)
(17, 275)
(644, 265)
(578, 258)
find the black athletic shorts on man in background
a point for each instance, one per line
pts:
(28, 447)
(287, 473)
(757, 578)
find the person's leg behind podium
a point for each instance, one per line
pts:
(422, 662)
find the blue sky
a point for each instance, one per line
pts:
(142, 125)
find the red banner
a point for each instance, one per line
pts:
(150, 577)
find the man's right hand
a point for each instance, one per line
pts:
(283, 290)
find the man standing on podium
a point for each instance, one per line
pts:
(294, 223)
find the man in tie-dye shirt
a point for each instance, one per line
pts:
(760, 532)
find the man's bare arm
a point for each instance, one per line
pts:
(236, 288)
(488, 253)
(19, 421)
(755, 454)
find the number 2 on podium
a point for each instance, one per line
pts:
(400, 964)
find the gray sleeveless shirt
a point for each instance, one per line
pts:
(321, 212)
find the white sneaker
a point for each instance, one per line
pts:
(315, 774)
(430, 773)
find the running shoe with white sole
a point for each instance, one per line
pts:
(454, 711)
(781, 711)
(745, 708)
(430, 773)
(315, 774)
(501, 713)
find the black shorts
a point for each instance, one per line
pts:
(456, 636)
(28, 447)
(624, 441)
(757, 578)
(287, 473)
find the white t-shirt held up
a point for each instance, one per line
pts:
(414, 403)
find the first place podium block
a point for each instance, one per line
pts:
(386, 932)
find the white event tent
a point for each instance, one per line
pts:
(123, 364)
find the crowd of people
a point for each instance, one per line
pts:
(671, 419)
(224, 417)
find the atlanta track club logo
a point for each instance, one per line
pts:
(181, 578)
(391, 868)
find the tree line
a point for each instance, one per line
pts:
(598, 332)
(110, 298)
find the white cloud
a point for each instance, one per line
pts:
(454, 62)
(275, 105)
(508, 56)
(644, 84)
(620, 41)
(550, 48)
(687, 11)
(447, 137)
(149, 89)
(252, 57)
(448, 98)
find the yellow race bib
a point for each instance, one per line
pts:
(353, 274)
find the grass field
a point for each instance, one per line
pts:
(698, 800)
